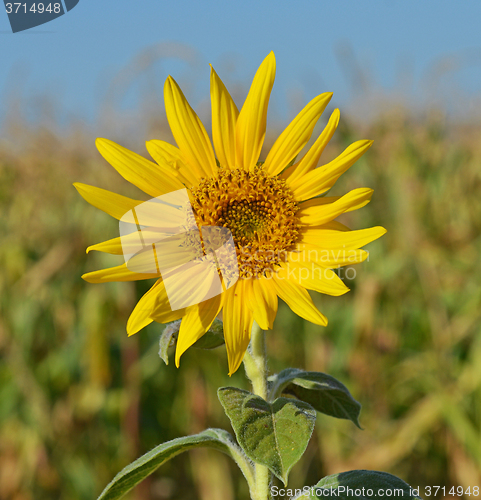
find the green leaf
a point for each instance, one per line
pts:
(323, 392)
(213, 338)
(277, 383)
(272, 434)
(134, 473)
(359, 485)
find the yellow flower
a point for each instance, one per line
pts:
(286, 238)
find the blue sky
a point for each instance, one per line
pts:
(421, 50)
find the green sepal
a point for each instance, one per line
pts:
(274, 434)
(211, 339)
(360, 482)
(168, 338)
(134, 473)
(323, 392)
(291, 162)
(214, 337)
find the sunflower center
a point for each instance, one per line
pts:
(260, 211)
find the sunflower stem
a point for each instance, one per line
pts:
(255, 363)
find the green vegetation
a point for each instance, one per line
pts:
(80, 400)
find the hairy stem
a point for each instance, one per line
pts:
(255, 363)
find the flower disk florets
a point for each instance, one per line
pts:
(259, 210)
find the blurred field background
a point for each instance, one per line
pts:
(79, 400)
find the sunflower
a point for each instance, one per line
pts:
(286, 239)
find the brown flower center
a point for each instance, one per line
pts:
(259, 210)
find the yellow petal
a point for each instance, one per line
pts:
(167, 255)
(328, 238)
(296, 135)
(263, 303)
(197, 320)
(297, 298)
(140, 316)
(320, 213)
(309, 161)
(170, 157)
(224, 118)
(238, 320)
(317, 202)
(113, 246)
(192, 283)
(188, 131)
(329, 258)
(136, 169)
(118, 273)
(323, 178)
(251, 123)
(113, 204)
(161, 311)
(166, 214)
(334, 224)
(313, 277)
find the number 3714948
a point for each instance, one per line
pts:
(35, 8)
(455, 491)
